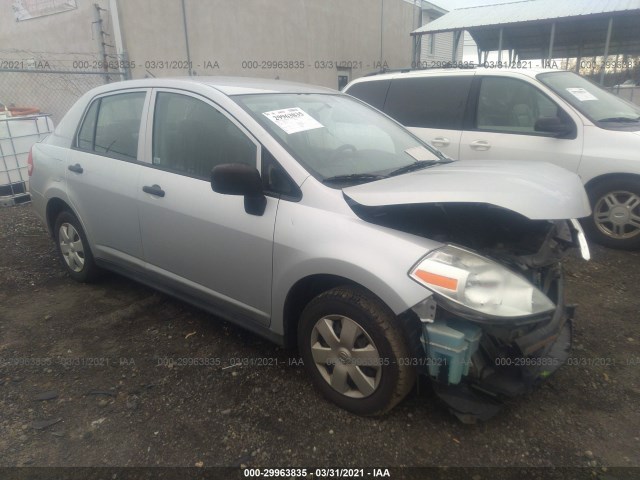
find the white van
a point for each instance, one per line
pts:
(527, 114)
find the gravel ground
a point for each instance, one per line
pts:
(86, 380)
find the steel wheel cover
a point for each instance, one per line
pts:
(71, 247)
(345, 356)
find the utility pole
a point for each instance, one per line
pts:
(100, 38)
(186, 36)
(381, 30)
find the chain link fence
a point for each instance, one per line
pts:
(52, 93)
(38, 89)
(50, 82)
(623, 80)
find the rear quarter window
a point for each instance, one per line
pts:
(429, 102)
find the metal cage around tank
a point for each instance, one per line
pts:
(17, 136)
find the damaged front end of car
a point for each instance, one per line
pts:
(497, 324)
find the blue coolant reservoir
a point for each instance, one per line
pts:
(472, 335)
(449, 346)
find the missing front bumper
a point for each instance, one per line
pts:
(516, 370)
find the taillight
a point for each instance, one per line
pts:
(30, 162)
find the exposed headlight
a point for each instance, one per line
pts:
(480, 284)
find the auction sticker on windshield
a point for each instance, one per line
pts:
(293, 120)
(581, 94)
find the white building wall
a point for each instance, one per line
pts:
(248, 38)
(65, 41)
(442, 50)
(438, 48)
(313, 41)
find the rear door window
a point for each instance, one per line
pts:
(429, 102)
(112, 126)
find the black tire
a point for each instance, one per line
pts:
(604, 231)
(392, 378)
(87, 271)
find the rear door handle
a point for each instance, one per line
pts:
(440, 142)
(480, 145)
(76, 168)
(153, 190)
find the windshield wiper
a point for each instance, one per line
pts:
(420, 164)
(621, 119)
(353, 177)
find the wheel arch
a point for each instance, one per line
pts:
(309, 287)
(592, 183)
(299, 296)
(55, 206)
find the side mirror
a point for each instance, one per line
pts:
(552, 125)
(240, 179)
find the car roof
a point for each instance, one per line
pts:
(530, 72)
(227, 85)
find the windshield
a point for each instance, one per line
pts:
(338, 139)
(600, 106)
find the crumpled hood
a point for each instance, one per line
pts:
(539, 191)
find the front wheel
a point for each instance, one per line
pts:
(615, 221)
(354, 351)
(73, 248)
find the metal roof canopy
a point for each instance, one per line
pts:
(546, 29)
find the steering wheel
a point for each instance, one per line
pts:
(341, 149)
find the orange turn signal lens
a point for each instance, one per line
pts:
(437, 280)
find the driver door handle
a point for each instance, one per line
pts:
(440, 142)
(480, 145)
(153, 190)
(76, 168)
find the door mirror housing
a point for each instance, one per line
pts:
(240, 179)
(236, 179)
(553, 125)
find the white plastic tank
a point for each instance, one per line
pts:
(17, 135)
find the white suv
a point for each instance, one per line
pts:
(540, 115)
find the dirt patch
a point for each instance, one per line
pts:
(86, 379)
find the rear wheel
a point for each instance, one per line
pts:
(354, 352)
(615, 221)
(73, 248)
